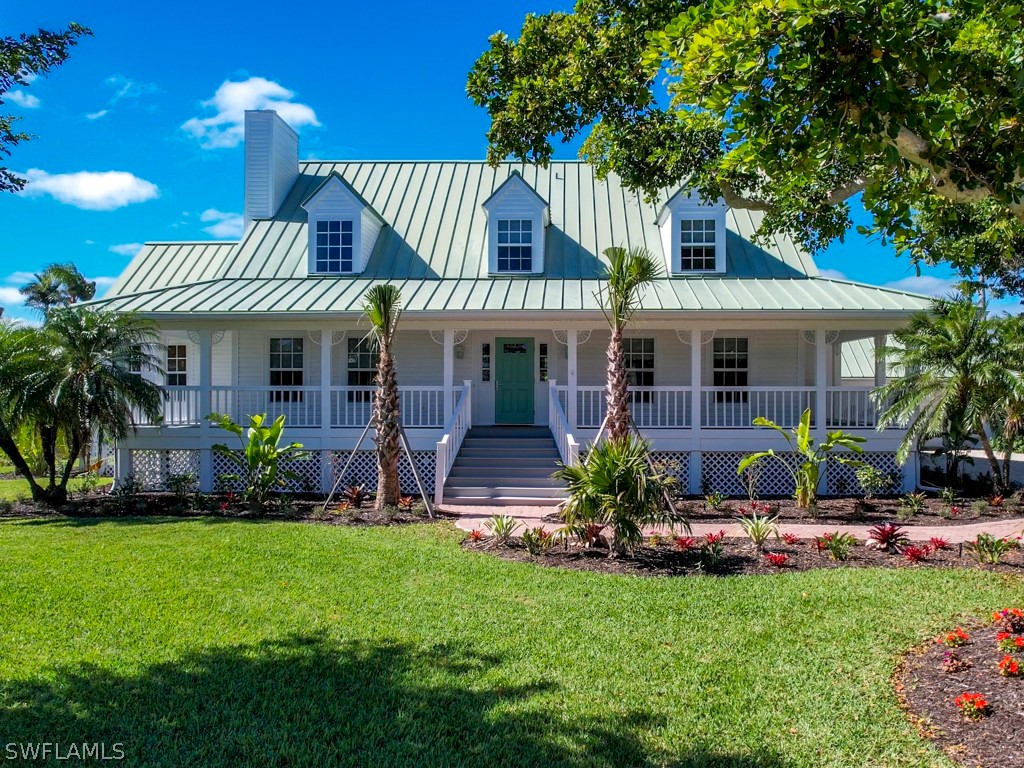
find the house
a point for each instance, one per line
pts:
(499, 269)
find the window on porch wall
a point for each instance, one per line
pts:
(730, 367)
(286, 369)
(362, 368)
(638, 355)
(177, 365)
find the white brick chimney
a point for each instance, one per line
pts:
(271, 163)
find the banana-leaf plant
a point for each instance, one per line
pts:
(258, 463)
(806, 458)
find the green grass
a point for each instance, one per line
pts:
(219, 643)
(12, 490)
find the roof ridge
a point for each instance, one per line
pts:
(191, 242)
(858, 283)
(440, 160)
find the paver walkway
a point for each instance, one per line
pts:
(471, 517)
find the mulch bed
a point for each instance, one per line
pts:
(927, 692)
(737, 558)
(850, 510)
(300, 509)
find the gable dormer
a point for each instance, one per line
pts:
(343, 228)
(516, 220)
(693, 235)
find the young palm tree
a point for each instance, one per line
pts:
(59, 285)
(382, 306)
(628, 273)
(955, 372)
(82, 384)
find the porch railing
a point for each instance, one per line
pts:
(568, 448)
(299, 405)
(422, 407)
(181, 406)
(737, 407)
(449, 445)
(651, 407)
(852, 408)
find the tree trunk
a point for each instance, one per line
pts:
(10, 449)
(997, 475)
(386, 418)
(617, 389)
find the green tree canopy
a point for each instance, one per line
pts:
(790, 107)
(22, 57)
(59, 285)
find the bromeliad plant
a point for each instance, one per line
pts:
(258, 463)
(889, 536)
(807, 458)
(987, 549)
(759, 528)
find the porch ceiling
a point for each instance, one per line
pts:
(332, 295)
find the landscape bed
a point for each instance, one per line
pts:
(224, 642)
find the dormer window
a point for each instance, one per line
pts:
(516, 218)
(334, 245)
(693, 235)
(515, 245)
(697, 252)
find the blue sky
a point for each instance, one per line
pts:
(139, 133)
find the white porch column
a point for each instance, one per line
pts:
(449, 373)
(205, 408)
(696, 398)
(571, 381)
(821, 360)
(326, 338)
(880, 372)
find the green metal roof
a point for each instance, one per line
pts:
(433, 248)
(858, 360)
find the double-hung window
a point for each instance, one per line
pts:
(286, 369)
(638, 355)
(362, 368)
(697, 245)
(177, 365)
(730, 367)
(515, 245)
(334, 245)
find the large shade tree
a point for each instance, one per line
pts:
(382, 306)
(790, 107)
(22, 58)
(627, 275)
(963, 372)
(71, 379)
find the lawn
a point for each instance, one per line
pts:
(217, 643)
(12, 490)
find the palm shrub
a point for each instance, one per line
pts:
(258, 462)
(807, 458)
(628, 273)
(382, 306)
(962, 373)
(616, 487)
(759, 528)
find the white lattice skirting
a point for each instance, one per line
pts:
(718, 473)
(153, 468)
(842, 478)
(306, 467)
(676, 463)
(363, 470)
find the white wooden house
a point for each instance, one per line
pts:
(499, 269)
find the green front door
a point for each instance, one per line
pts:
(513, 385)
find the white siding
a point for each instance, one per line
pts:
(271, 163)
(254, 357)
(671, 358)
(418, 360)
(337, 201)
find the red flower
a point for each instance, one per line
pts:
(684, 543)
(1008, 667)
(791, 538)
(714, 538)
(938, 543)
(477, 535)
(954, 639)
(776, 559)
(972, 705)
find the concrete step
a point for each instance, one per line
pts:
(505, 452)
(475, 481)
(486, 492)
(505, 470)
(512, 433)
(511, 462)
(518, 444)
(502, 501)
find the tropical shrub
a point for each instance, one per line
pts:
(973, 706)
(889, 536)
(873, 480)
(996, 500)
(987, 549)
(126, 494)
(1008, 667)
(954, 639)
(614, 486)
(838, 545)
(806, 456)
(980, 507)
(355, 495)
(537, 540)
(715, 500)
(405, 503)
(502, 528)
(948, 496)
(258, 463)
(88, 483)
(182, 486)
(759, 528)
(912, 505)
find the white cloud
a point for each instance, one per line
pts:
(226, 226)
(126, 88)
(91, 190)
(96, 115)
(224, 129)
(125, 249)
(19, 278)
(832, 274)
(24, 100)
(926, 284)
(11, 297)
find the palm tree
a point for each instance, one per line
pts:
(20, 356)
(382, 305)
(59, 285)
(628, 273)
(956, 372)
(82, 384)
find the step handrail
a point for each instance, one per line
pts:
(568, 448)
(448, 447)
